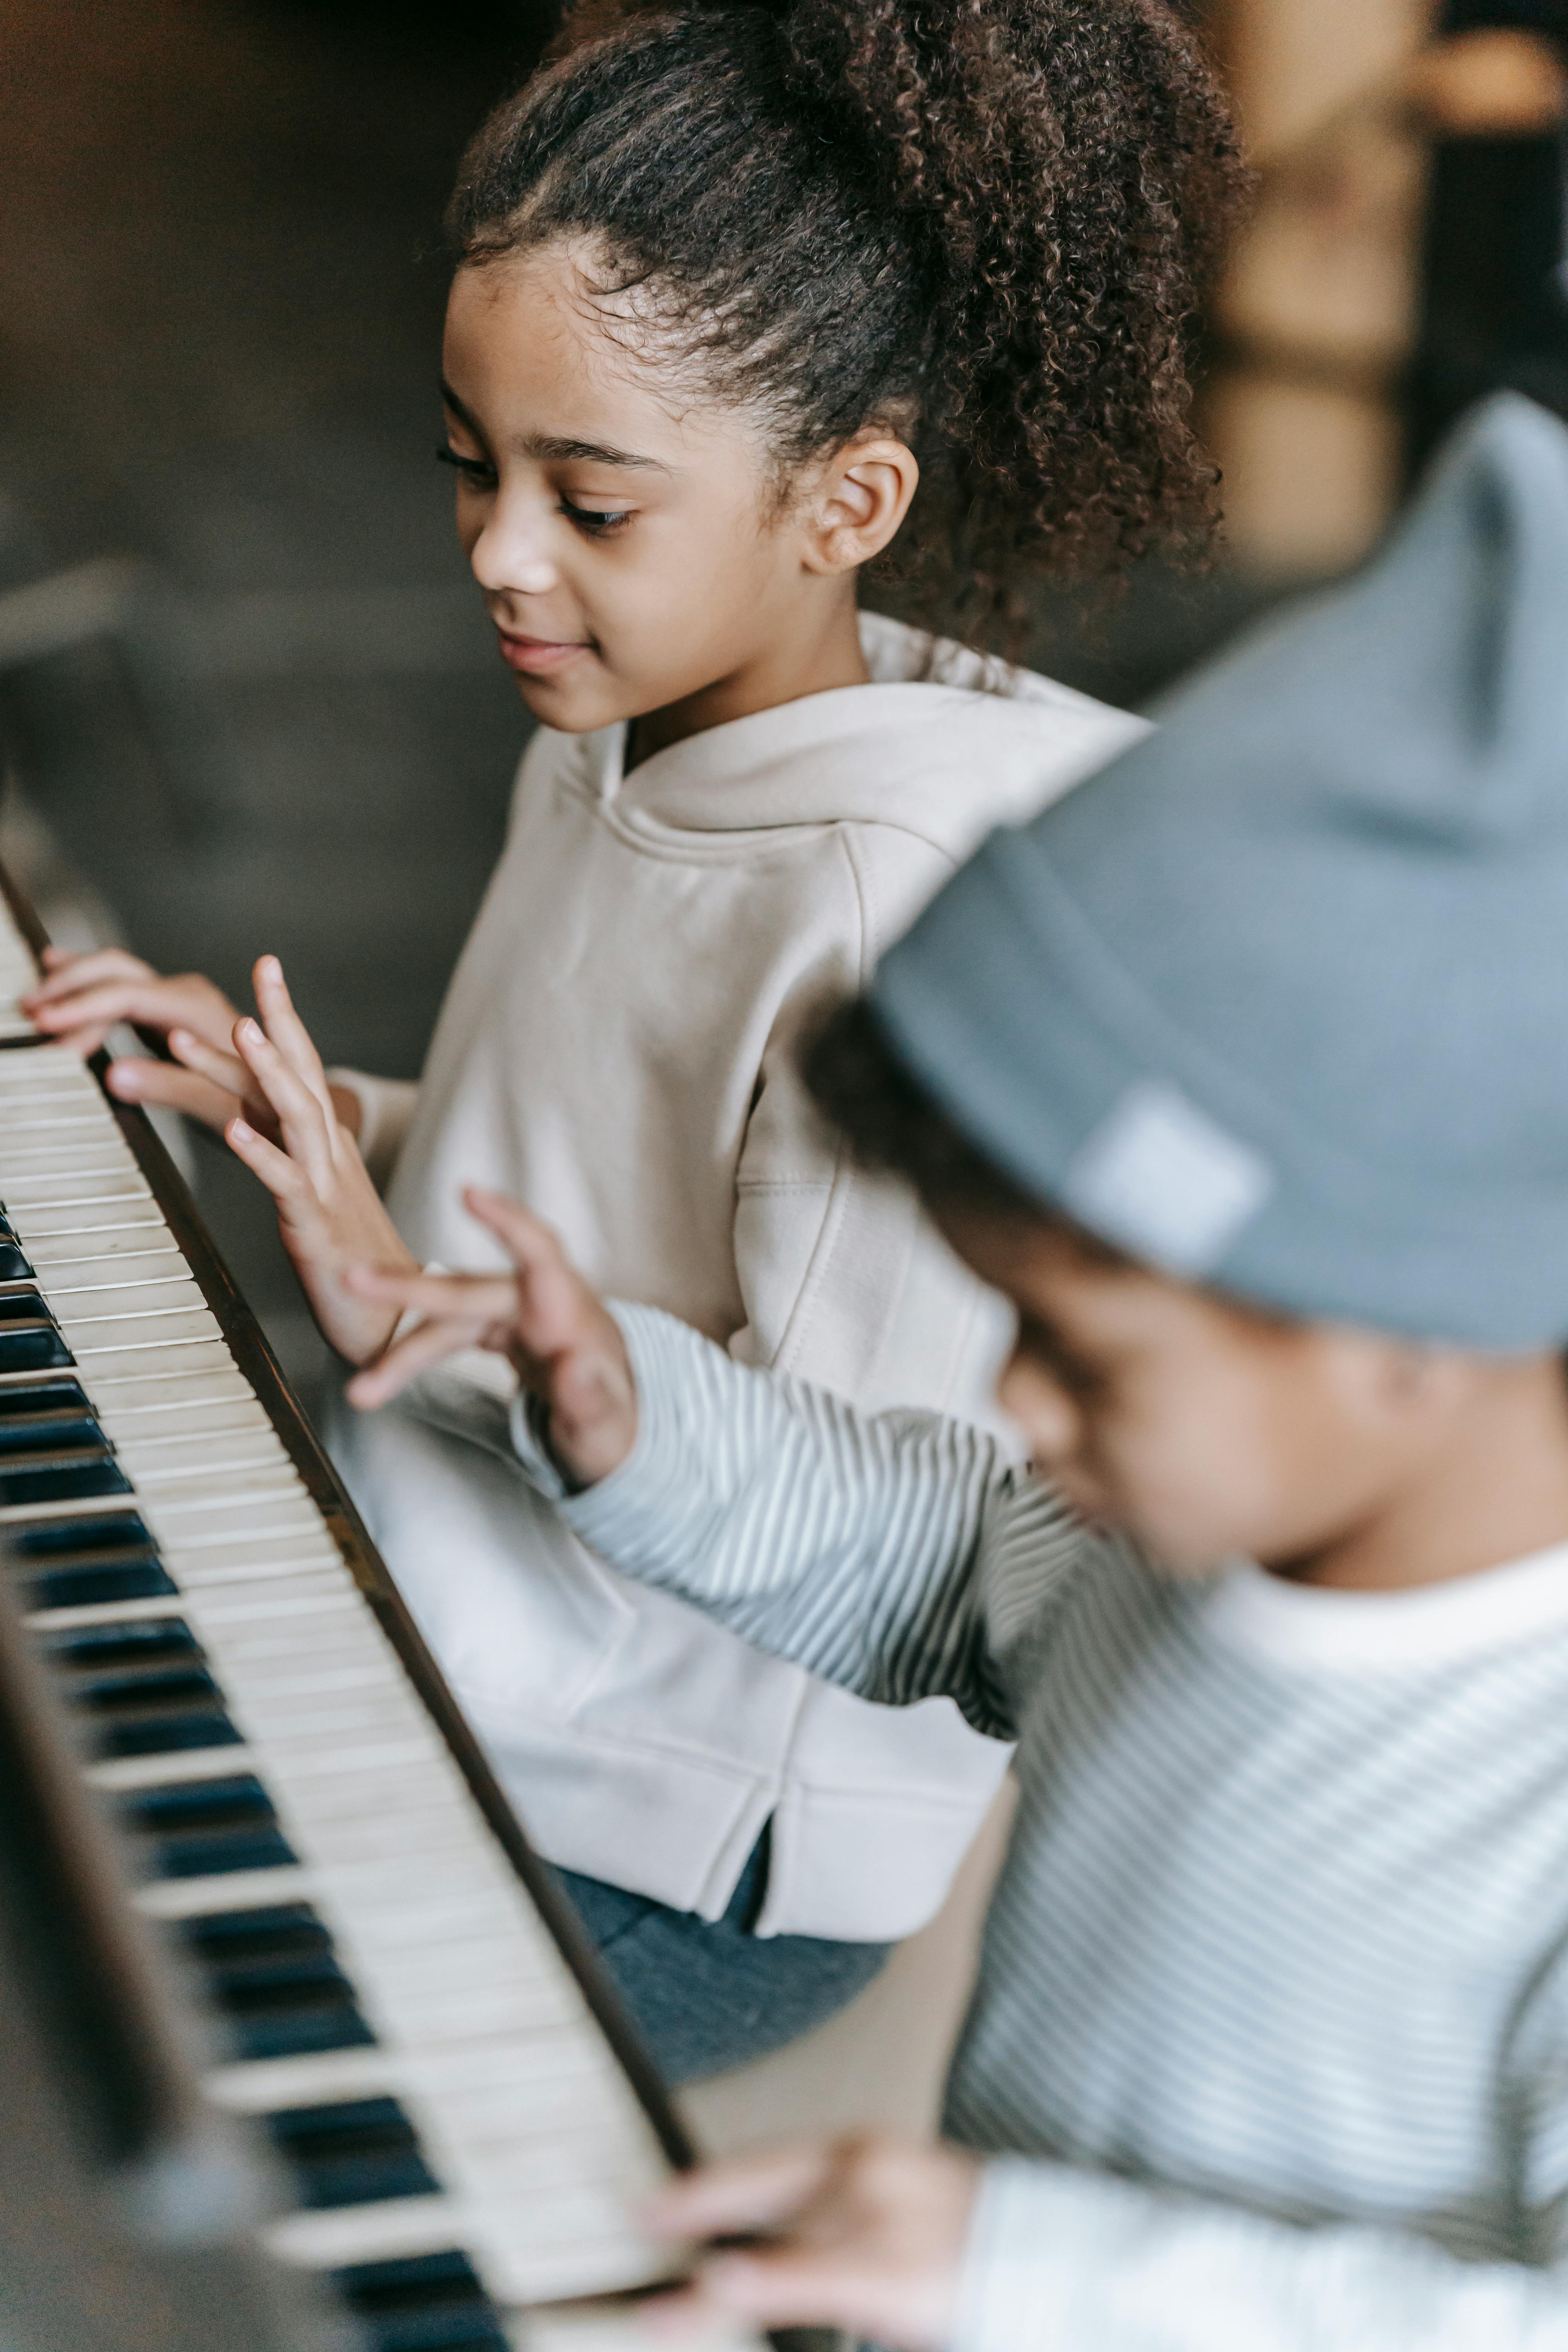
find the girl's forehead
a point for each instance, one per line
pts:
(528, 345)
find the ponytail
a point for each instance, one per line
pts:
(984, 223)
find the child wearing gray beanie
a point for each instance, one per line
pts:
(1244, 1071)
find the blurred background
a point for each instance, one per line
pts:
(247, 697)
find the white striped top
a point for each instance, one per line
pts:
(1270, 2044)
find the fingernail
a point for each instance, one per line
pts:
(271, 968)
(240, 1132)
(252, 1030)
(123, 1077)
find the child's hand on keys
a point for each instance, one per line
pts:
(865, 2234)
(329, 1215)
(83, 997)
(564, 1346)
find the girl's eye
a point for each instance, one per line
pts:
(478, 470)
(589, 519)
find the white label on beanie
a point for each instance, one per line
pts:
(1158, 1176)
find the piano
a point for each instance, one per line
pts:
(401, 2010)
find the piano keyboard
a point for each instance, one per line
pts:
(397, 2015)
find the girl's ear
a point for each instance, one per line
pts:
(858, 502)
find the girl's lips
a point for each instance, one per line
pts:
(539, 656)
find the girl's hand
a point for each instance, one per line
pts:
(83, 997)
(866, 2233)
(329, 1213)
(564, 1346)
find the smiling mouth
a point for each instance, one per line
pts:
(540, 656)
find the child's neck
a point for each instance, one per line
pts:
(1496, 1490)
(789, 663)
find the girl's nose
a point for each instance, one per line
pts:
(512, 552)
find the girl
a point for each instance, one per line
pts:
(730, 284)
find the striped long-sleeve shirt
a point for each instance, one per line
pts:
(1270, 2043)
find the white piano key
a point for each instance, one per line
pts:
(158, 1464)
(111, 1303)
(236, 1890)
(122, 1275)
(363, 2233)
(153, 1419)
(113, 1207)
(117, 1775)
(99, 1613)
(175, 1382)
(42, 1198)
(15, 1515)
(60, 1258)
(112, 1371)
(261, 2087)
(191, 1518)
(214, 1572)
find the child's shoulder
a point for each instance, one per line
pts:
(979, 741)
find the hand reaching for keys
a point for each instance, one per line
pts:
(560, 1338)
(83, 997)
(329, 1215)
(865, 2234)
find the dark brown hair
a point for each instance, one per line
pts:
(983, 223)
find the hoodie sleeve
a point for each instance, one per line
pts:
(843, 1279)
(387, 1108)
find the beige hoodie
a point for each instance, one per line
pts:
(617, 1050)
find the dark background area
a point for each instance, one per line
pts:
(257, 701)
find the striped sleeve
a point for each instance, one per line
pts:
(860, 1546)
(1065, 2261)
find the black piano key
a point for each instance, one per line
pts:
(30, 1339)
(14, 1266)
(202, 1828)
(422, 2303)
(81, 1562)
(149, 1642)
(73, 1474)
(356, 2152)
(58, 1394)
(146, 1686)
(275, 1979)
(41, 1430)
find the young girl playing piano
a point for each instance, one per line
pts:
(731, 284)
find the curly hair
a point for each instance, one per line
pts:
(985, 224)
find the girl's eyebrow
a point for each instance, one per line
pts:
(552, 449)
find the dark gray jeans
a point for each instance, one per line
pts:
(709, 1995)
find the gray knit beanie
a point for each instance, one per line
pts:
(1280, 1000)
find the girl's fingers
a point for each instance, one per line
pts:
(305, 1124)
(283, 1179)
(67, 973)
(480, 1298)
(747, 2192)
(556, 1310)
(287, 1031)
(209, 1061)
(113, 1001)
(171, 1088)
(428, 1343)
(796, 2286)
